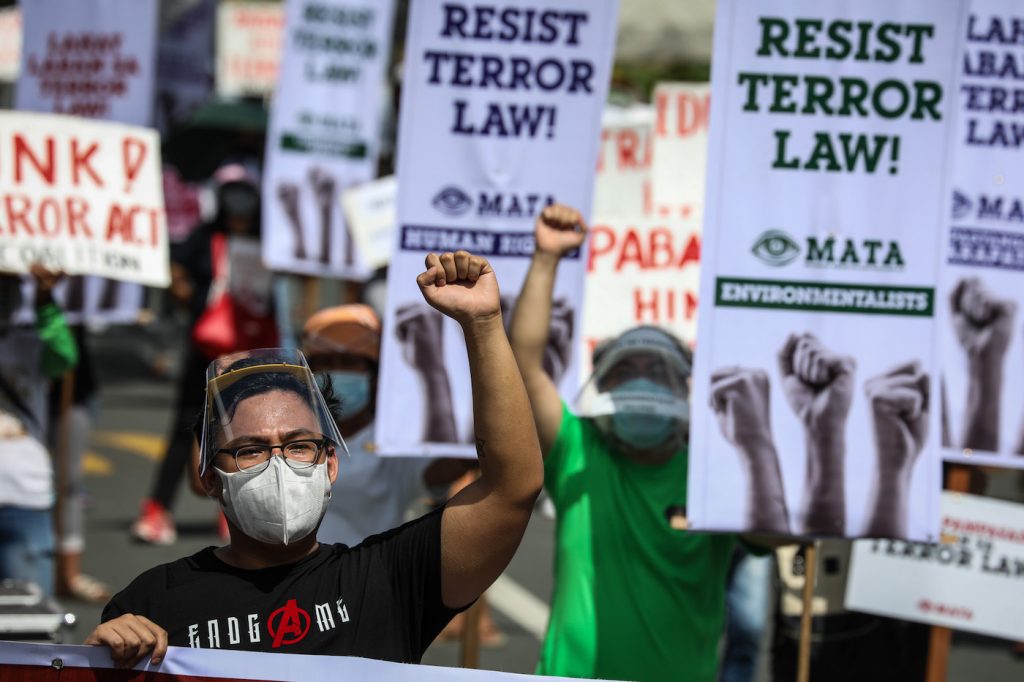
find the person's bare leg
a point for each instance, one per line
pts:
(818, 385)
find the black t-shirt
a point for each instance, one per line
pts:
(380, 599)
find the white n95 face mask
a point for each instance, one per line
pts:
(278, 505)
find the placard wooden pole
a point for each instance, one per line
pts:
(959, 481)
(803, 671)
(469, 656)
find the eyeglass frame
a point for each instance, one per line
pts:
(321, 445)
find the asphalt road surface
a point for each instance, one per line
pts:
(128, 438)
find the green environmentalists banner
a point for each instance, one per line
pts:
(815, 388)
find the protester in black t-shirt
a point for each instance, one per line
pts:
(273, 588)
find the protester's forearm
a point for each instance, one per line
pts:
(507, 445)
(982, 413)
(532, 316)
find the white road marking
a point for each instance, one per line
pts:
(520, 605)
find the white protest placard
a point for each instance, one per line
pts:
(81, 196)
(93, 663)
(680, 149)
(644, 258)
(981, 297)
(644, 270)
(623, 185)
(324, 132)
(370, 212)
(90, 58)
(10, 43)
(501, 114)
(965, 583)
(815, 381)
(184, 69)
(249, 40)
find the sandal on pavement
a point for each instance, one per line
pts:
(86, 588)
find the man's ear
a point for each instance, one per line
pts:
(212, 485)
(332, 464)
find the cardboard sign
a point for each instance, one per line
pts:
(481, 155)
(980, 301)
(644, 258)
(81, 196)
(324, 133)
(370, 212)
(249, 40)
(90, 58)
(815, 383)
(965, 583)
(642, 271)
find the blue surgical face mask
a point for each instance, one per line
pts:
(354, 389)
(641, 430)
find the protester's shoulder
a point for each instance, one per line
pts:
(157, 581)
(166, 575)
(576, 435)
(427, 526)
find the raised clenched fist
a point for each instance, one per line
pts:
(559, 230)
(462, 286)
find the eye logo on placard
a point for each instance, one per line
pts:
(962, 205)
(776, 248)
(452, 201)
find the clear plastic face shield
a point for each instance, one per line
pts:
(260, 398)
(639, 391)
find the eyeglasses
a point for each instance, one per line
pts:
(298, 454)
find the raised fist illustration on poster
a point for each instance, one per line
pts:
(983, 324)
(288, 194)
(325, 192)
(740, 401)
(900, 400)
(420, 331)
(818, 385)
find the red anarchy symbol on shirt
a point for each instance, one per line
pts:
(290, 620)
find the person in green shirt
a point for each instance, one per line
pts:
(636, 596)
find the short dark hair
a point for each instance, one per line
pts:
(264, 382)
